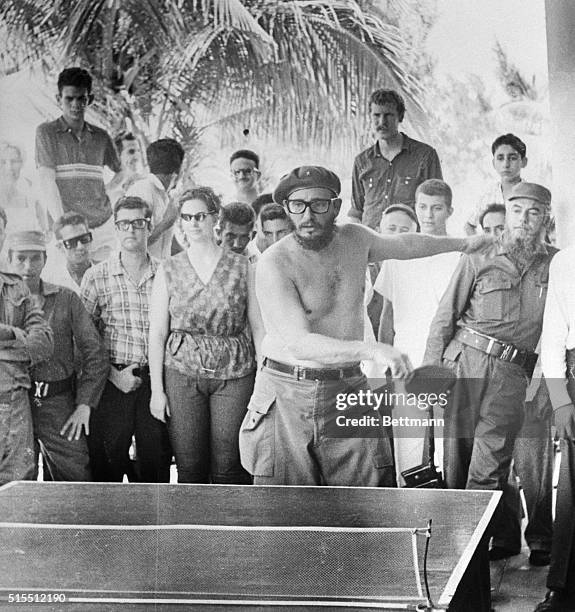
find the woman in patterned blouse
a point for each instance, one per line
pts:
(202, 363)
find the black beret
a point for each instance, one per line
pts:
(305, 177)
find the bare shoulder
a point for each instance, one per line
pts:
(277, 259)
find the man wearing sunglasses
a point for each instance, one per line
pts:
(116, 294)
(74, 244)
(310, 288)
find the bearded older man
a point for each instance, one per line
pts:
(310, 288)
(486, 328)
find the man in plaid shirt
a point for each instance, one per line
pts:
(116, 293)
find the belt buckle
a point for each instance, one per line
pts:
(509, 353)
(298, 372)
(41, 389)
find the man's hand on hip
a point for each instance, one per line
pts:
(125, 379)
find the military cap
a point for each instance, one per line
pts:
(27, 241)
(306, 177)
(532, 191)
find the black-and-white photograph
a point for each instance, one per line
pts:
(287, 305)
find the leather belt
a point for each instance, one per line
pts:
(497, 348)
(299, 372)
(42, 389)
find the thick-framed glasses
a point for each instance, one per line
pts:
(124, 225)
(72, 243)
(199, 217)
(318, 206)
(245, 172)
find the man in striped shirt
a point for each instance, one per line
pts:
(71, 154)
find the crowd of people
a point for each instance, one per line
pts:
(143, 323)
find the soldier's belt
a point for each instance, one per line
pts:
(43, 389)
(496, 348)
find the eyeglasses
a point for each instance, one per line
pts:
(201, 216)
(138, 224)
(244, 172)
(319, 206)
(72, 243)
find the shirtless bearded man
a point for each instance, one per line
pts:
(310, 290)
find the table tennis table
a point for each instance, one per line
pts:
(96, 546)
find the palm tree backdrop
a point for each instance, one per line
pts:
(299, 70)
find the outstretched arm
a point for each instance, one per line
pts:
(284, 318)
(414, 246)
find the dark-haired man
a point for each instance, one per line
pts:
(486, 328)
(71, 154)
(389, 171)
(310, 289)
(245, 171)
(116, 294)
(509, 158)
(235, 227)
(67, 386)
(492, 219)
(130, 153)
(165, 159)
(74, 245)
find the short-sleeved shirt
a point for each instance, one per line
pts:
(378, 183)
(120, 308)
(209, 333)
(414, 287)
(79, 165)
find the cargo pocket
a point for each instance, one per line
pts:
(257, 435)
(451, 355)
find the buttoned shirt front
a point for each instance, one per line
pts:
(120, 308)
(79, 164)
(378, 183)
(490, 295)
(73, 329)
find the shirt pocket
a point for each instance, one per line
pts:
(404, 189)
(257, 434)
(15, 308)
(495, 298)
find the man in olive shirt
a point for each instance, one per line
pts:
(486, 328)
(25, 340)
(67, 386)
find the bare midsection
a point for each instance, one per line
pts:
(342, 324)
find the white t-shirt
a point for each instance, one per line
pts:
(415, 287)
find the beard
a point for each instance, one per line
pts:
(318, 242)
(523, 247)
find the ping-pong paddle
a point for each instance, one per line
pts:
(430, 379)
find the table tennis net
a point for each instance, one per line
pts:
(199, 561)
